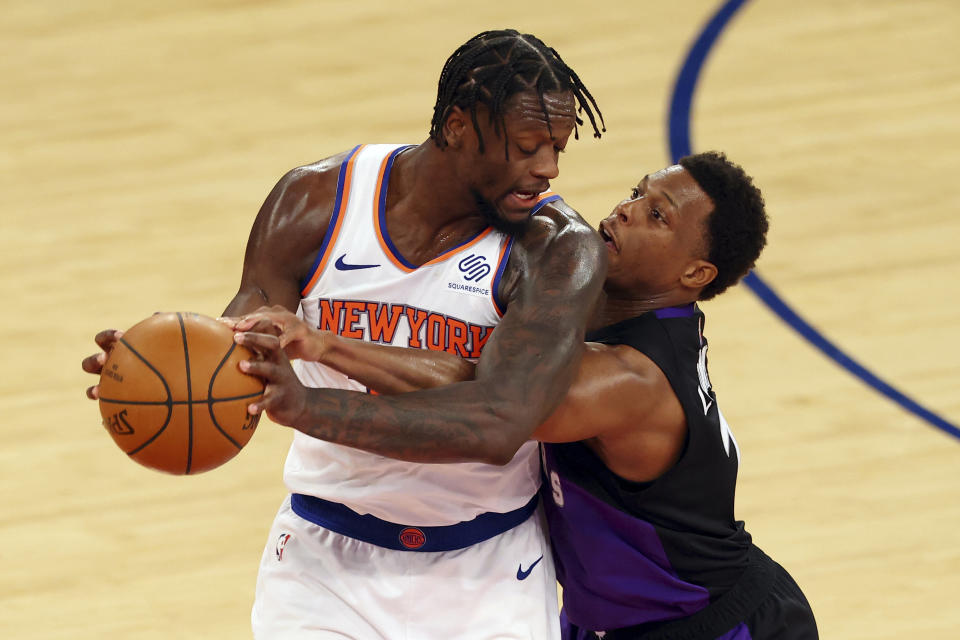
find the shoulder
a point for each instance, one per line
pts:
(643, 372)
(301, 202)
(630, 370)
(625, 367)
(645, 435)
(293, 220)
(560, 247)
(619, 404)
(317, 180)
(557, 222)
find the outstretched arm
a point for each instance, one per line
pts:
(391, 370)
(383, 368)
(620, 403)
(523, 373)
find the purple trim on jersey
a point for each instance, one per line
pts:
(546, 200)
(611, 565)
(382, 208)
(382, 215)
(675, 312)
(497, 301)
(332, 225)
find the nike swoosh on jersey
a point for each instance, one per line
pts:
(343, 266)
(521, 574)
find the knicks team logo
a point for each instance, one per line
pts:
(281, 543)
(412, 538)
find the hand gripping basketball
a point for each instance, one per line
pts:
(284, 397)
(171, 395)
(297, 339)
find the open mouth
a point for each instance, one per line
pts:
(608, 237)
(525, 196)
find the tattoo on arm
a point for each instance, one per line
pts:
(526, 367)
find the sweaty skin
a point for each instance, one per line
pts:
(525, 368)
(616, 389)
(551, 283)
(620, 403)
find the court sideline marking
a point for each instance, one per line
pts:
(678, 127)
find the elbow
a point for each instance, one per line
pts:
(510, 430)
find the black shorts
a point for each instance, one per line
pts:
(765, 604)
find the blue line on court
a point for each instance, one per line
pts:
(679, 132)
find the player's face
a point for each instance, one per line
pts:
(656, 234)
(506, 180)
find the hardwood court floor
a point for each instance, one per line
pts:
(137, 141)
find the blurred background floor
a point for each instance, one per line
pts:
(137, 141)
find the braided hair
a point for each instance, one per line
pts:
(492, 67)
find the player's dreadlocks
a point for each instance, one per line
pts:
(492, 67)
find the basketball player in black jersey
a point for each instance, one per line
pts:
(640, 465)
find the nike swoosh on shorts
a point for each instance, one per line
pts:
(522, 575)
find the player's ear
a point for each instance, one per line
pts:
(698, 274)
(455, 127)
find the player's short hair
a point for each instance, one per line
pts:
(737, 227)
(492, 67)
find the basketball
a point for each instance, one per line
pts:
(172, 397)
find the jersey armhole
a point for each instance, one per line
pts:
(336, 221)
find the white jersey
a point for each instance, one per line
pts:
(361, 287)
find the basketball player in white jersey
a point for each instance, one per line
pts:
(429, 246)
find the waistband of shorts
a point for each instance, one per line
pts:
(405, 537)
(718, 617)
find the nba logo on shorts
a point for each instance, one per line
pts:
(281, 543)
(412, 538)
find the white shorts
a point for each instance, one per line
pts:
(315, 583)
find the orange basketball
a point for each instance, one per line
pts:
(172, 397)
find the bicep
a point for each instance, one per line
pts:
(534, 352)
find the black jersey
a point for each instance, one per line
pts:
(632, 553)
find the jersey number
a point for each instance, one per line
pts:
(705, 389)
(556, 488)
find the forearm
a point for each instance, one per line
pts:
(526, 367)
(454, 423)
(466, 421)
(524, 372)
(391, 370)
